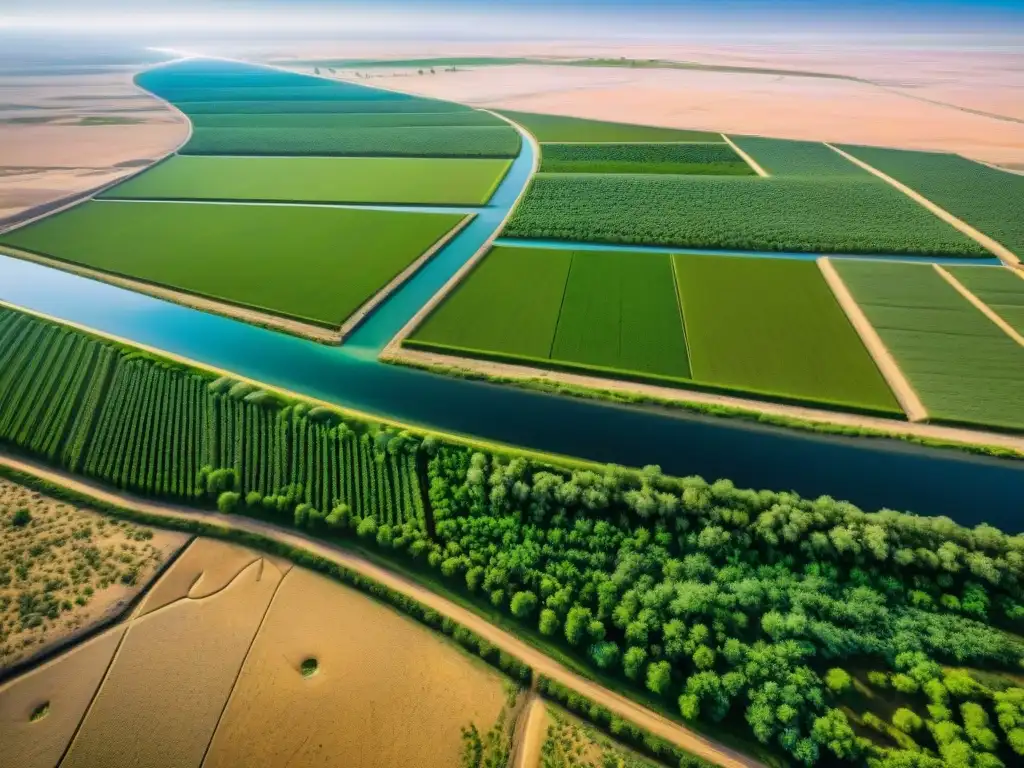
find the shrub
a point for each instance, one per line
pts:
(227, 502)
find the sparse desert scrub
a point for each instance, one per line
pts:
(386, 691)
(65, 686)
(62, 568)
(165, 691)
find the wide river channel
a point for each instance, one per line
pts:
(870, 473)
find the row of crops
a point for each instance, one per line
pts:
(240, 109)
(123, 418)
(683, 158)
(767, 327)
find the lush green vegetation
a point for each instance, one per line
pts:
(783, 157)
(620, 311)
(315, 264)
(962, 365)
(318, 179)
(415, 141)
(1000, 289)
(558, 128)
(773, 326)
(610, 312)
(984, 197)
(509, 303)
(710, 159)
(826, 215)
(351, 106)
(752, 609)
(343, 120)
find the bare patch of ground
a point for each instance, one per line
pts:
(171, 677)
(385, 690)
(64, 686)
(63, 569)
(63, 134)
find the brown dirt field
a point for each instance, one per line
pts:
(171, 677)
(207, 566)
(76, 132)
(67, 568)
(388, 692)
(68, 683)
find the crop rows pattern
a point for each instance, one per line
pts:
(709, 158)
(783, 157)
(558, 128)
(986, 198)
(153, 428)
(1000, 289)
(826, 215)
(963, 367)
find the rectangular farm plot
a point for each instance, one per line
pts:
(696, 158)
(329, 179)
(800, 214)
(288, 106)
(342, 120)
(990, 200)
(963, 366)
(508, 306)
(772, 326)
(784, 157)
(620, 312)
(313, 264)
(412, 141)
(558, 128)
(1001, 289)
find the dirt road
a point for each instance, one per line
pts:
(542, 664)
(531, 738)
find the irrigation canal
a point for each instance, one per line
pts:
(872, 474)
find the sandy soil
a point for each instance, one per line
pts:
(542, 664)
(68, 684)
(917, 98)
(387, 691)
(534, 733)
(887, 365)
(170, 679)
(62, 134)
(73, 566)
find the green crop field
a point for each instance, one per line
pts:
(613, 311)
(987, 199)
(508, 304)
(315, 264)
(557, 128)
(319, 179)
(963, 367)
(369, 106)
(153, 428)
(316, 90)
(1000, 289)
(416, 141)
(773, 326)
(828, 215)
(711, 159)
(344, 120)
(620, 312)
(782, 157)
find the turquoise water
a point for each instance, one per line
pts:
(568, 245)
(872, 474)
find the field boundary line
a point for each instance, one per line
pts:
(675, 732)
(645, 143)
(747, 158)
(393, 346)
(682, 312)
(77, 198)
(356, 318)
(884, 361)
(561, 304)
(984, 308)
(1014, 171)
(317, 333)
(988, 243)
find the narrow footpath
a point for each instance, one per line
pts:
(661, 726)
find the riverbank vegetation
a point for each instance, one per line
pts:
(412, 181)
(756, 610)
(240, 253)
(963, 366)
